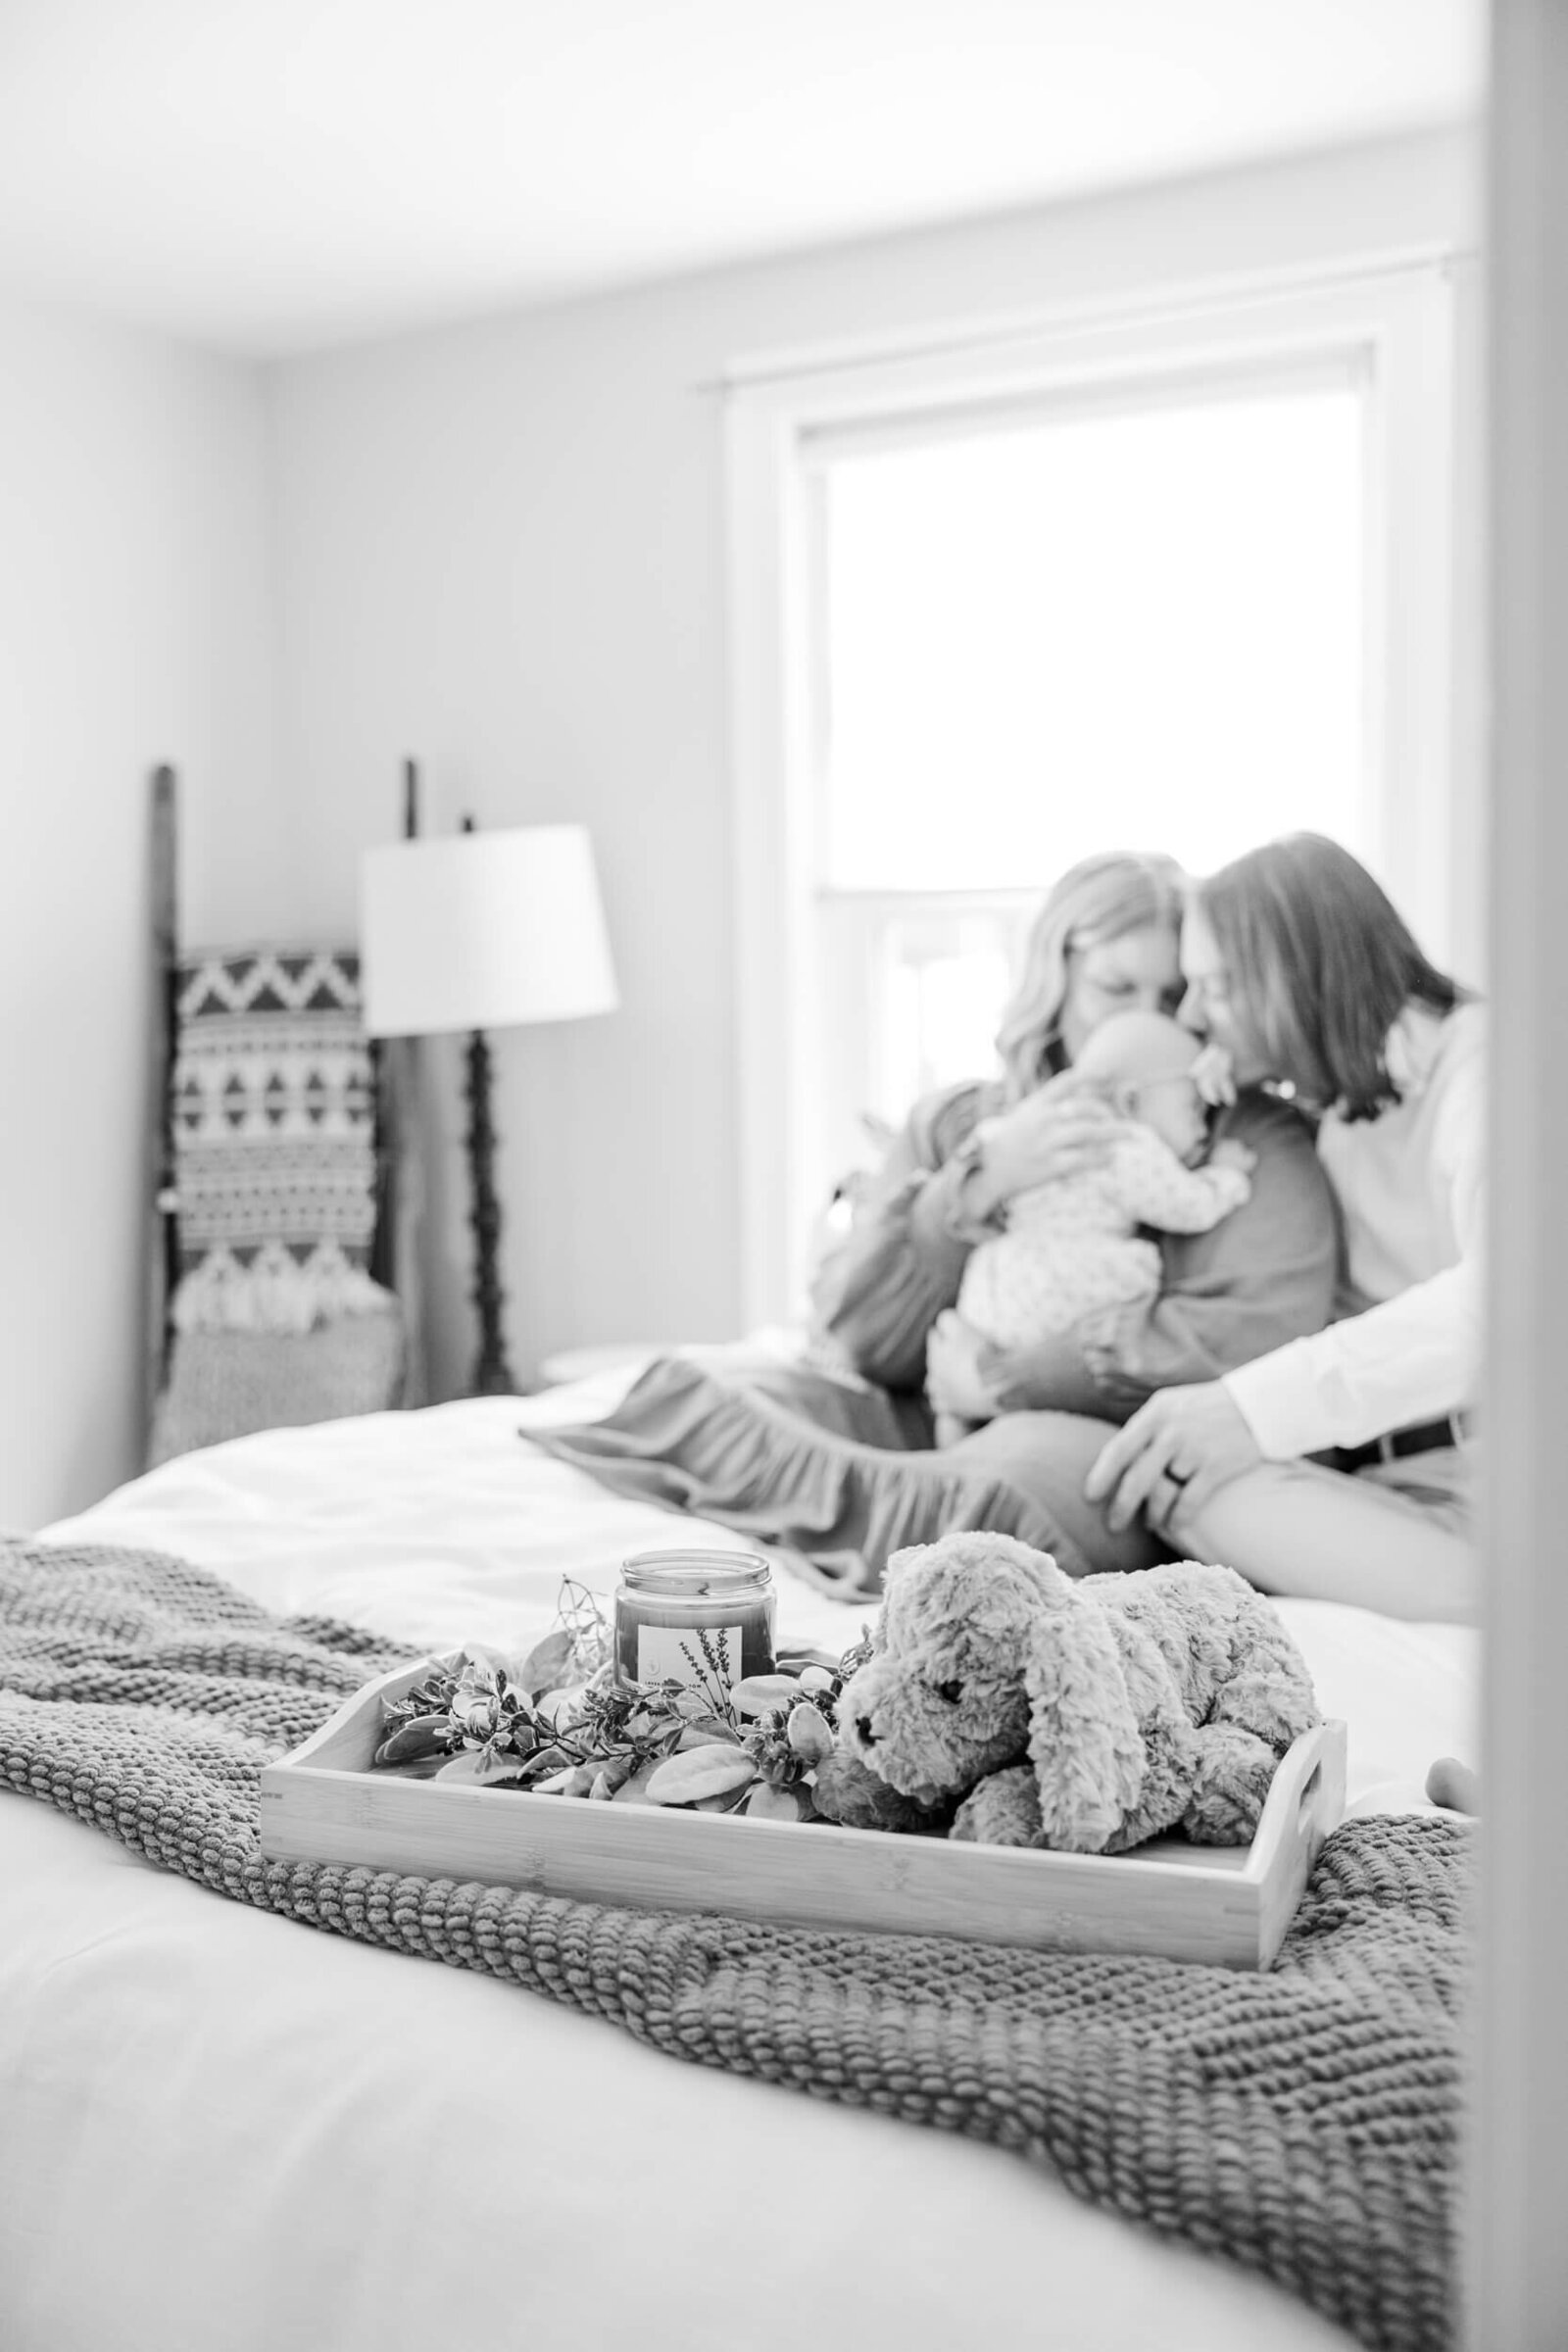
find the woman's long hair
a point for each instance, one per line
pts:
(1101, 899)
(1320, 963)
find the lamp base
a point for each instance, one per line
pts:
(492, 1374)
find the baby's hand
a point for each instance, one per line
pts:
(1214, 1077)
(1232, 1153)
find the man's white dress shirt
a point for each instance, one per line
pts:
(1410, 1187)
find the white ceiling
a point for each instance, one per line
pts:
(268, 176)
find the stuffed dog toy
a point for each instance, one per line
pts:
(1085, 1715)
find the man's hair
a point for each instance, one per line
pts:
(1321, 963)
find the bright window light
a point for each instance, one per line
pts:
(938, 989)
(1100, 627)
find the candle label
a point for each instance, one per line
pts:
(675, 1653)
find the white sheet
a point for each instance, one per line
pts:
(224, 2132)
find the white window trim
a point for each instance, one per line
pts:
(1392, 314)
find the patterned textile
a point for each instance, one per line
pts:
(1303, 2122)
(275, 1141)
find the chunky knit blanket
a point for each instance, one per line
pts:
(1302, 2121)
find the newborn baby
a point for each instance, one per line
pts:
(1073, 1246)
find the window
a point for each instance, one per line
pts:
(1175, 583)
(1027, 625)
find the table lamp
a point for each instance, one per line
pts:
(479, 931)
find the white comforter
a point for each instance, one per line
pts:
(223, 2132)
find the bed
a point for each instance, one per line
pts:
(226, 2133)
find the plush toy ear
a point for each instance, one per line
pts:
(1084, 1741)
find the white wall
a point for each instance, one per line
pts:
(502, 549)
(134, 626)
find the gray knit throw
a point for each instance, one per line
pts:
(1303, 2122)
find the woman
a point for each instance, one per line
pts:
(1337, 1467)
(1105, 941)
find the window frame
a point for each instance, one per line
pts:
(1390, 316)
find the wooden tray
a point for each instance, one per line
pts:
(1225, 1904)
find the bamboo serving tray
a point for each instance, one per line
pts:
(1230, 1905)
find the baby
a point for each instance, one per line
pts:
(1073, 1244)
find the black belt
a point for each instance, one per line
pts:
(1425, 1437)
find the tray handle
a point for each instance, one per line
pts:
(1305, 1802)
(1320, 1804)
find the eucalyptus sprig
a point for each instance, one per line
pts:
(557, 1723)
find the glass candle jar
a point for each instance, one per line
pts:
(701, 1617)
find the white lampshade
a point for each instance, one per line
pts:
(482, 930)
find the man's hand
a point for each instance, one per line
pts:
(1173, 1455)
(953, 1381)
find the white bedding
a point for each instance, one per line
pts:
(224, 2132)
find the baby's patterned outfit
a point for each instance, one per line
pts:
(1072, 1246)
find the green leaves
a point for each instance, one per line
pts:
(477, 1767)
(556, 1723)
(425, 1736)
(809, 1733)
(768, 1803)
(760, 1691)
(548, 1665)
(697, 1771)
